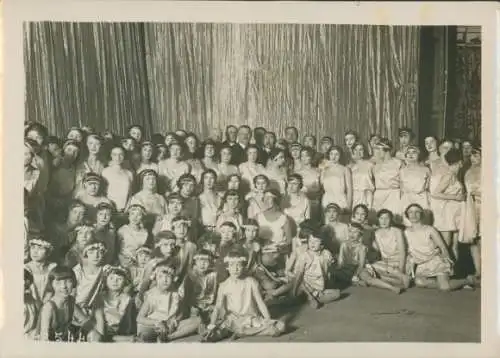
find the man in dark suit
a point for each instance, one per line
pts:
(231, 137)
(291, 135)
(259, 134)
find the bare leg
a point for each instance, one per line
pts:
(425, 282)
(445, 284)
(329, 295)
(376, 282)
(396, 278)
(447, 238)
(475, 252)
(454, 245)
(186, 327)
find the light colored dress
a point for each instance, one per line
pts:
(311, 181)
(241, 312)
(223, 172)
(171, 171)
(362, 181)
(255, 205)
(297, 208)
(129, 241)
(197, 168)
(387, 242)
(248, 172)
(316, 269)
(150, 166)
(277, 179)
(272, 231)
(333, 179)
(89, 286)
(209, 204)
(89, 165)
(40, 290)
(387, 193)
(424, 256)
(414, 183)
(447, 213)
(119, 185)
(154, 203)
(473, 186)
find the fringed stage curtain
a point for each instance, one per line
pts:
(324, 79)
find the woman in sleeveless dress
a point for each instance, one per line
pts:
(429, 262)
(336, 180)
(209, 160)
(447, 195)
(362, 177)
(210, 200)
(386, 171)
(473, 187)
(415, 183)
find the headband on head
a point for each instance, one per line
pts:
(108, 269)
(94, 246)
(42, 243)
(136, 206)
(333, 206)
(231, 259)
(163, 268)
(382, 145)
(412, 147)
(71, 143)
(201, 257)
(92, 177)
(144, 249)
(184, 222)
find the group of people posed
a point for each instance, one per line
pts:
(128, 239)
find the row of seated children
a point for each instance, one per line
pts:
(218, 278)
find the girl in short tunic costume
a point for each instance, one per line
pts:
(335, 187)
(472, 181)
(387, 193)
(415, 187)
(362, 182)
(387, 243)
(446, 213)
(425, 254)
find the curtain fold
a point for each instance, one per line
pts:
(86, 74)
(324, 79)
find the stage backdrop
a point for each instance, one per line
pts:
(324, 79)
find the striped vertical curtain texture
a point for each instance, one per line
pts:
(323, 79)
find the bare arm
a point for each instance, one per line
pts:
(362, 261)
(299, 277)
(348, 186)
(442, 186)
(143, 313)
(219, 303)
(438, 240)
(258, 300)
(402, 250)
(45, 321)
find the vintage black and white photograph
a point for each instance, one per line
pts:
(214, 182)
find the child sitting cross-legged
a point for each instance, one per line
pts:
(61, 310)
(313, 273)
(201, 287)
(160, 316)
(352, 257)
(240, 309)
(299, 245)
(119, 308)
(165, 249)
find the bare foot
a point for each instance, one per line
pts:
(397, 290)
(315, 304)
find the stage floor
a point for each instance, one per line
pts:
(374, 315)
